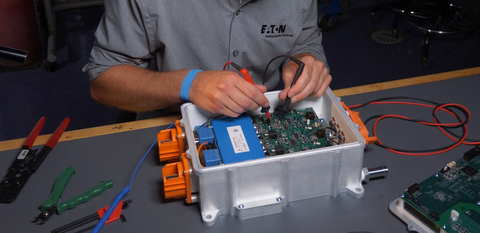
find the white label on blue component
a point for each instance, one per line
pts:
(238, 140)
(22, 154)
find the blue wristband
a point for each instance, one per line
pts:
(187, 82)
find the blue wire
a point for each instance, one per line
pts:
(141, 161)
(121, 194)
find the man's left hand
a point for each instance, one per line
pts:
(313, 81)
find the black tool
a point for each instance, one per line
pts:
(283, 110)
(95, 216)
(27, 162)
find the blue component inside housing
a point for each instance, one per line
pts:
(205, 134)
(237, 139)
(211, 157)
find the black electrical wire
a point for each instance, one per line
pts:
(298, 62)
(414, 151)
(204, 123)
(392, 98)
(446, 107)
(417, 99)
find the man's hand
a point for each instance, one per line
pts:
(226, 92)
(313, 81)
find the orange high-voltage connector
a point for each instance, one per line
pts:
(170, 143)
(176, 180)
(363, 130)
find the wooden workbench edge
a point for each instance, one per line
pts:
(142, 124)
(94, 131)
(406, 82)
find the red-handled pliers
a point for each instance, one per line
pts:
(27, 162)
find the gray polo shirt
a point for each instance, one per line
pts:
(193, 34)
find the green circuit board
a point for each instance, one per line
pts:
(449, 199)
(299, 130)
(219, 139)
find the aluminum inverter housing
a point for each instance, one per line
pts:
(264, 186)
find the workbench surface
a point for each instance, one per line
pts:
(115, 156)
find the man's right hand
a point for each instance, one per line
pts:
(226, 92)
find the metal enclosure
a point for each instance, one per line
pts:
(264, 186)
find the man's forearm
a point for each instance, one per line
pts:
(136, 89)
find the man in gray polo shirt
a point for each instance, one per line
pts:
(156, 54)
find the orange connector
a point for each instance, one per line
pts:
(170, 143)
(176, 180)
(363, 130)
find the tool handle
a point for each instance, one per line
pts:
(247, 76)
(77, 223)
(33, 135)
(58, 188)
(243, 71)
(50, 144)
(295, 78)
(298, 73)
(85, 196)
(58, 133)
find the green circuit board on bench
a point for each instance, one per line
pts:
(449, 200)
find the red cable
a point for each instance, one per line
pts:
(448, 135)
(430, 106)
(410, 153)
(411, 103)
(438, 125)
(226, 64)
(200, 147)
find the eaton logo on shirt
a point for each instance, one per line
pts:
(271, 31)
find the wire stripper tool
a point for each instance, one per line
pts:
(49, 207)
(27, 161)
(117, 214)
